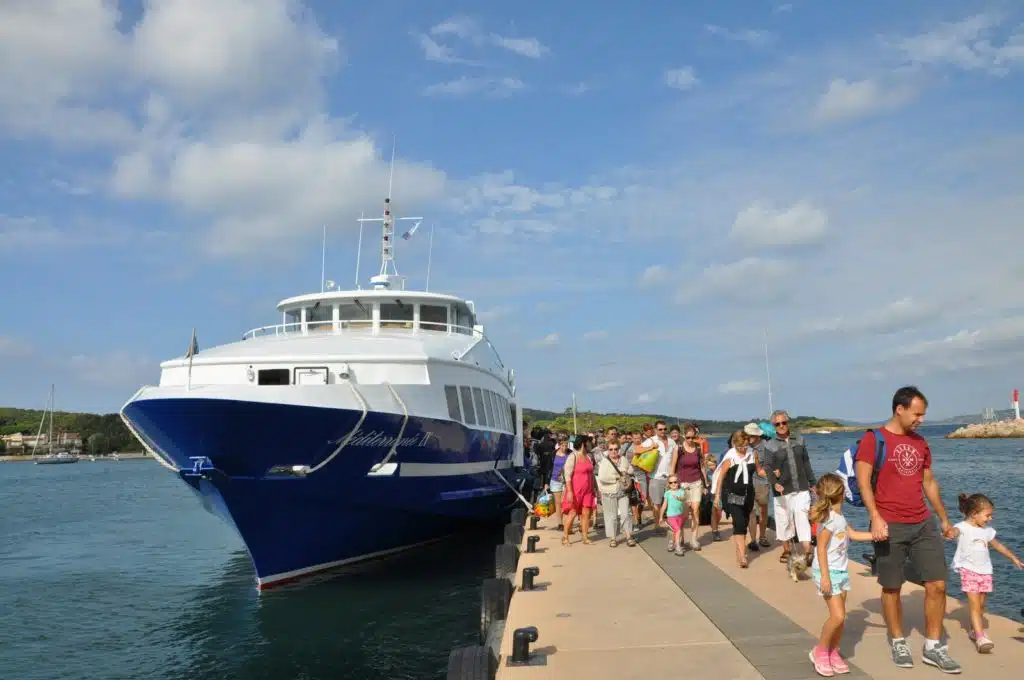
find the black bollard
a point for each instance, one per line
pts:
(529, 573)
(533, 522)
(531, 543)
(521, 640)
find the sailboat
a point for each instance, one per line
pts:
(51, 457)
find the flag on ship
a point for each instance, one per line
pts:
(407, 235)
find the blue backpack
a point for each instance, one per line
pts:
(848, 470)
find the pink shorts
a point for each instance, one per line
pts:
(973, 582)
(675, 522)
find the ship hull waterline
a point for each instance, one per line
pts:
(443, 478)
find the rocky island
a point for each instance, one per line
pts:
(1000, 429)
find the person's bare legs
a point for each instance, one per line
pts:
(695, 525)
(762, 521)
(934, 608)
(585, 525)
(892, 611)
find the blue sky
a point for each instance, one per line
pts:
(630, 196)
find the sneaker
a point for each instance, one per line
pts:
(752, 547)
(839, 666)
(983, 644)
(679, 551)
(695, 544)
(716, 536)
(822, 664)
(764, 543)
(671, 546)
(901, 655)
(939, 657)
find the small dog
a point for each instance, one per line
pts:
(797, 566)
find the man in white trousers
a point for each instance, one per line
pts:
(791, 476)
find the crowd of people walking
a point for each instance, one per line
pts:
(670, 474)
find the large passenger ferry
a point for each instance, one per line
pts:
(365, 423)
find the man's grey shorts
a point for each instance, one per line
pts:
(921, 543)
(657, 490)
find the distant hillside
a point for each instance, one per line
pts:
(632, 421)
(116, 435)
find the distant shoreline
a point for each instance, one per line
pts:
(120, 456)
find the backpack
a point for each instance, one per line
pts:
(848, 470)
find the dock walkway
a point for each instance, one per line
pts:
(623, 613)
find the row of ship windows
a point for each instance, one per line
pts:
(475, 406)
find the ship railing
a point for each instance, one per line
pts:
(359, 327)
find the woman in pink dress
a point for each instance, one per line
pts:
(580, 497)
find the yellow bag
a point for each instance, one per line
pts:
(646, 461)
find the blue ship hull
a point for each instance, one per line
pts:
(294, 525)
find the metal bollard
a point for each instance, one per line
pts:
(533, 522)
(521, 640)
(531, 543)
(529, 573)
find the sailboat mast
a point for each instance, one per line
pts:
(49, 439)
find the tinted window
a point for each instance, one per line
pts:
(434, 317)
(324, 314)
(293, 320)
(467, 405)
(492, 417)
(503, 407)
(274, 376)
(499, 421)
(395, 315)
(463, 319)
(352, 315)
(478, 401)
(451, 395)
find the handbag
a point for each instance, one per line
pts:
(631, 491)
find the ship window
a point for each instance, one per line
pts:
(499, 407)
(478, 401)
(319, 317)
(467, 405)
(451, 395)
(499, 423)
(463, 319)
(396, 314)
(274, 376)
(434, 317)
(492, 420)
(355, 314)
(503, 405)
(293, 321)
(512, 417)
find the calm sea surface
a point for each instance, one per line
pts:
(113, 570)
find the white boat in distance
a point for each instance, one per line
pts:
(52, 457)
(366, 422)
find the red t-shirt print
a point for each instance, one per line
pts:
(899, 495)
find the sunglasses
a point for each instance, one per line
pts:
(673, 483)
(781, 423)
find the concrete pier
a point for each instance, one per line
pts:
(642, 612)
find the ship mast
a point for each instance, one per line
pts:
(388, 276)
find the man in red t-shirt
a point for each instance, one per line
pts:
(902, 527)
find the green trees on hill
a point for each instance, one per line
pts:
(588, 421)
(115, 436)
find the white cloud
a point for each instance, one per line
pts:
(14, 348)
(740, 387)
(782, 9)
(549, 340)
(435, 51)
(901, 315)
(578, 89)
(969, 44)
(749, 36)
(646, 398)
(467, 28)
(996, 344)
(750, 280)
(681, 78)
(595, 335)
(846, 100)
(465, 86)
(605, 386)
(759, 226)
(655, 275)
(524, 47)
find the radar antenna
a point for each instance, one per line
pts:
(388, 269)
